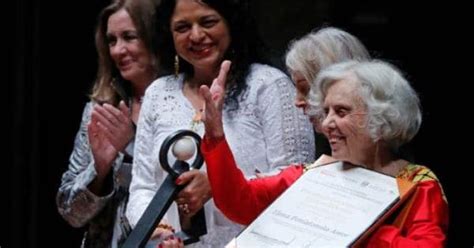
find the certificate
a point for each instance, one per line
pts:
(328, 206)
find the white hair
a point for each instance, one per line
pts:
(316, 50)
(393, 107)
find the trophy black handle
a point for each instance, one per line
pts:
(165, 195)
(153, 214)
(197, 228)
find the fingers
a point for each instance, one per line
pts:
(206, 94)
(196, 193)
(107, 115)
(113, 123)
(162, 230)
(187, 196)
(112, 117)
(184, 208)
(214, 95)
(171, 242)
(259, 175)
(222, 77)
(212, 113)
(124, 108)
(92, 128)
(186, 177)
(218, 84)
(93, 134)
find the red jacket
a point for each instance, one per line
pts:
(242, 200)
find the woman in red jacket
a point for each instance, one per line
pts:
(367, 110)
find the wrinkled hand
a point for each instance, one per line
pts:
(213, 103)
(195, 194)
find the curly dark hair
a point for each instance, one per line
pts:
(246, 45)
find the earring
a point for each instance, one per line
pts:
(176, 65)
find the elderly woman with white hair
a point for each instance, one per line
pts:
(316, 50)
(367, 110)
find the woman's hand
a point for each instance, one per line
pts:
(196, 193)
(213, 103)
(171, 242)
(109, 131)
(115, 124)
(163, 230)
(103, 151)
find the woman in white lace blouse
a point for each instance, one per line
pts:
(264, 128)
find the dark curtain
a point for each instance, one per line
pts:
(46, 89)
(24, 124)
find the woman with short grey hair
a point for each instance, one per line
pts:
(393, 107)
(366, 110)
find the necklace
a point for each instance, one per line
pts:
(193, 97)
(196, 120)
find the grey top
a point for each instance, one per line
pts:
(105, 215)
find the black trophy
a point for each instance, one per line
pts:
(185, 144)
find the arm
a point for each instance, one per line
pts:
(241, 200)
(144, 182)
(147, 174)
(197, 191)
(75, 202)
(289, 136)
(426, 223)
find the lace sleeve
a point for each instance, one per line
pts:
(147, 175)
(143, 185)
(75, 202)
(288, 133)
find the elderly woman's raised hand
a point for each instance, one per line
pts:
(213, 103)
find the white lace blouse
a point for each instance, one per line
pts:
(267, 132)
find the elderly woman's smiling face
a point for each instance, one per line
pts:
(345, 122)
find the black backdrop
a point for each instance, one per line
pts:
(52, 62)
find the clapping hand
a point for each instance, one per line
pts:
(110, 130)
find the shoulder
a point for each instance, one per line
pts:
(417, 173)
(421, 175)
(165, 84)
(265, 74)
(265, 78)
(88, 107)
(87, 111)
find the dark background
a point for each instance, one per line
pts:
(52, 62)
